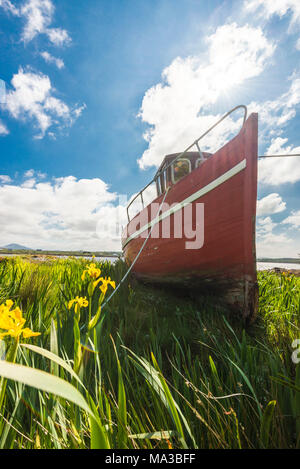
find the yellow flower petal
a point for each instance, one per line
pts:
(79, 302)
(96, 282)
(9, 303)
(92, 271)
(29, 333)
(12, 322)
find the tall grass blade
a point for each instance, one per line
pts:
(54, 358)
(156, 381)
(266, 423)
(99, 436)
(45, 382)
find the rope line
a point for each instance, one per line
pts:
(139, 253)
(278, 156)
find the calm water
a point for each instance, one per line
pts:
(271, 265)
(100, 259)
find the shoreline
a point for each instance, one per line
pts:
(21, 252)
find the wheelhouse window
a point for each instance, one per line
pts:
(161, 182)
(158, 186)
(180, 169)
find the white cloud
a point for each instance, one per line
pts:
(276, 245)
(59, 63)
(33, 98)
(7, 5)
(271, 239)
(38, 16)
(277, 171)
(275, 114)
(175, 108)
(4, 179)
(268, 8)
(57, 106)
(270, 244)
(293, 219)
(270, 204)
(265, 225)
(276, 7)
(65, 213)
(3, 129)
(29, 173)
(32, 177)
(29, 183)
(78, 110)
(58, 36)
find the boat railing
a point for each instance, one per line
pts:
(159, 173)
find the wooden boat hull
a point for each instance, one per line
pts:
(226, 183)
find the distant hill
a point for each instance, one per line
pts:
(15, 246)
(290, 260)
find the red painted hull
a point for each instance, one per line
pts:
(227, 260)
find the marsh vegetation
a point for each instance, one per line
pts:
(150, 369)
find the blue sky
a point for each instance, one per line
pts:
(98, 91)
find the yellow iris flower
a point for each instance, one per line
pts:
(92, 271)
(105, 282)
(12, 322)
(79, 303)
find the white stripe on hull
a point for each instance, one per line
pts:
(200, 193)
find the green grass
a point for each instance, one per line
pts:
(160, 370)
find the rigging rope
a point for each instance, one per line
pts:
(277, 156)
(140, 251)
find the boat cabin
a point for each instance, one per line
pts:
(169, 174)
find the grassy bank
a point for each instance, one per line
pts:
(158, 370)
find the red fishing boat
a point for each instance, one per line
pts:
(211, 197)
